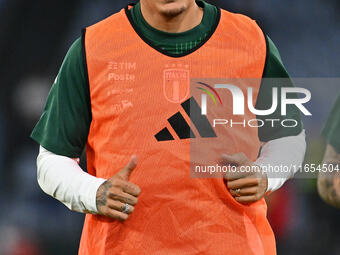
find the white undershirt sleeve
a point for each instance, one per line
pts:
(62, 178)
(283, 153)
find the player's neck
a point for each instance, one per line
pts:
(185, 21)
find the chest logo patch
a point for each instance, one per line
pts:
(176, 84)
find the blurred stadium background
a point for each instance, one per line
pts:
(35, 36)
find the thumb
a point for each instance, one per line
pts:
(127, 170)
(235, 159)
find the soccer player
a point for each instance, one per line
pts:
(329, 181)
(111, 95)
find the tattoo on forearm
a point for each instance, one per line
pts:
(329, 182)
(102, 194)
(329, 186)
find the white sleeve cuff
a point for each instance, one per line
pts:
(62, 178)
(281, 158)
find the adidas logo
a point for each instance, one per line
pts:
(182, 128)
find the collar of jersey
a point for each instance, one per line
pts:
(158, 35)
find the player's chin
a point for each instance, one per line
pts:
(172, 9)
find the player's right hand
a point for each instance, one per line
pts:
(116, 192)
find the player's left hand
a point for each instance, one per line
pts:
(248, 183)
